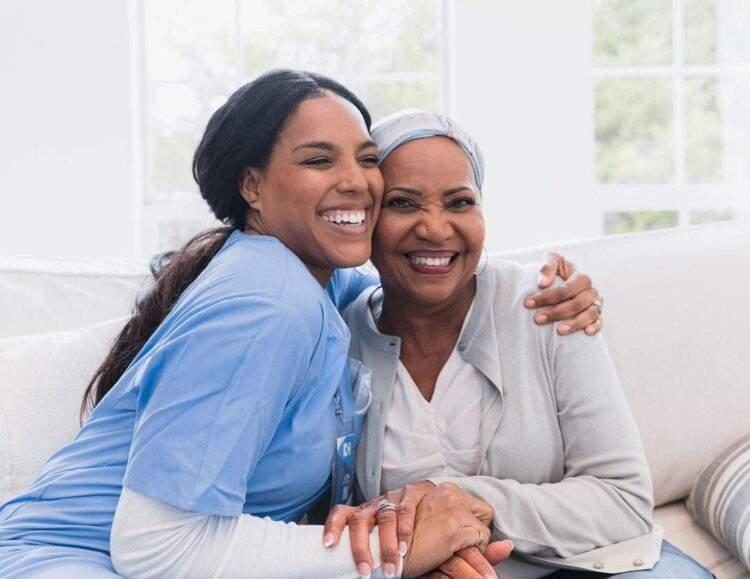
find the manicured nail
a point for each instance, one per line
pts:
(529, 303)
(389, 570)
(364, 570)
(540, 279)
(541, 318)
(328, 539)
(509, 542)
(403, 548)
(564, 329)
(492, 575)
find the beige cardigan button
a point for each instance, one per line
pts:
(638, 562)
(598, 565)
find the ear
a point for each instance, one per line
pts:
(250, 187)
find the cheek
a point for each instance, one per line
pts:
(389, 231)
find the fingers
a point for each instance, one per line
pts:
(360, 526)
(554, 264)
(482, 510)
(555, 295)
(338, 519)
(594, 328)
(389, 551)
(498, 551)
(458, 568)
(411, 496)
(473, 534)
(570, 308)
(473, 556)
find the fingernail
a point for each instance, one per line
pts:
(541, 319)
(540, 279)
(364, 570)
(529, 303)
(328, 539)
(389, 570)
(403, 548)
(512, 546)
(564, 329)
(491, 576)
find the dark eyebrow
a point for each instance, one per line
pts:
(455, 190)
(315, 145)
(406, 190)
(329, 147)
(418, 193)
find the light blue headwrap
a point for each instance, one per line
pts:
(411, 124)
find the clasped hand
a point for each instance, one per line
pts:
(440, 530)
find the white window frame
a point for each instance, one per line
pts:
(679, 196)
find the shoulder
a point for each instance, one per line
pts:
(512, 282)
(261, 272)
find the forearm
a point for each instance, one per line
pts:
(152, 539)
(562, 519)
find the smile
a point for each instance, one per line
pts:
(438, 262)
(357, 217)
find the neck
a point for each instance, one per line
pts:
(416, 322)
(254, 226)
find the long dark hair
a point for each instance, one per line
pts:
(240, 134)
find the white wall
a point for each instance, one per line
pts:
(523, 89)
(66, 161)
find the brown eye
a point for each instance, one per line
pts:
(400, 203)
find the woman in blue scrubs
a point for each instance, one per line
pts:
(229, 392)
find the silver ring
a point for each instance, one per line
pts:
(599, 304)
(386, 505)
(481, 538)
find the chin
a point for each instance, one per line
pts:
(352, 258)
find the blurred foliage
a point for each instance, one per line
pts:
(632, 32)
(703, 130)
(633, 120)
(700, 32)
(710, 215)
(629, 221)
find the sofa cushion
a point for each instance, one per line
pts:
(676, 321)
(684, 532)
(46, 295)
(720, 499)
(42, 379)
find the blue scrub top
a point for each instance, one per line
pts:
(228, 408)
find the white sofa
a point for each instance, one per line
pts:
(676, 313)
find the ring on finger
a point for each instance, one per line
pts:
(386, 505)
(481, 540)
(599, 304)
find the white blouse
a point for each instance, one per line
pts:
(437, 438)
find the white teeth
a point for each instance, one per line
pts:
(436, 261)
(355, 218)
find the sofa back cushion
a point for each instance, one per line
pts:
(42, 379)
(45, 295)
(676, 319)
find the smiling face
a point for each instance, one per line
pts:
(430, 235)
(320, 192)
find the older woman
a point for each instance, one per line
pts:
(468, 390)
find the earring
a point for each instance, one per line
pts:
(483, 266)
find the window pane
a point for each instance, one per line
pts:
(733, 24)
(634, 130)
(632, 32)
(734, 102)
(700, 32)
(703, 130)
(709, 216)
(630, 221)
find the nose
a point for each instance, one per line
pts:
(434, 226)
(352, 179)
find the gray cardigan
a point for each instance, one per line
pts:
(563, 464)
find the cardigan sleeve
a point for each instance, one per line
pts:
(605, 496)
